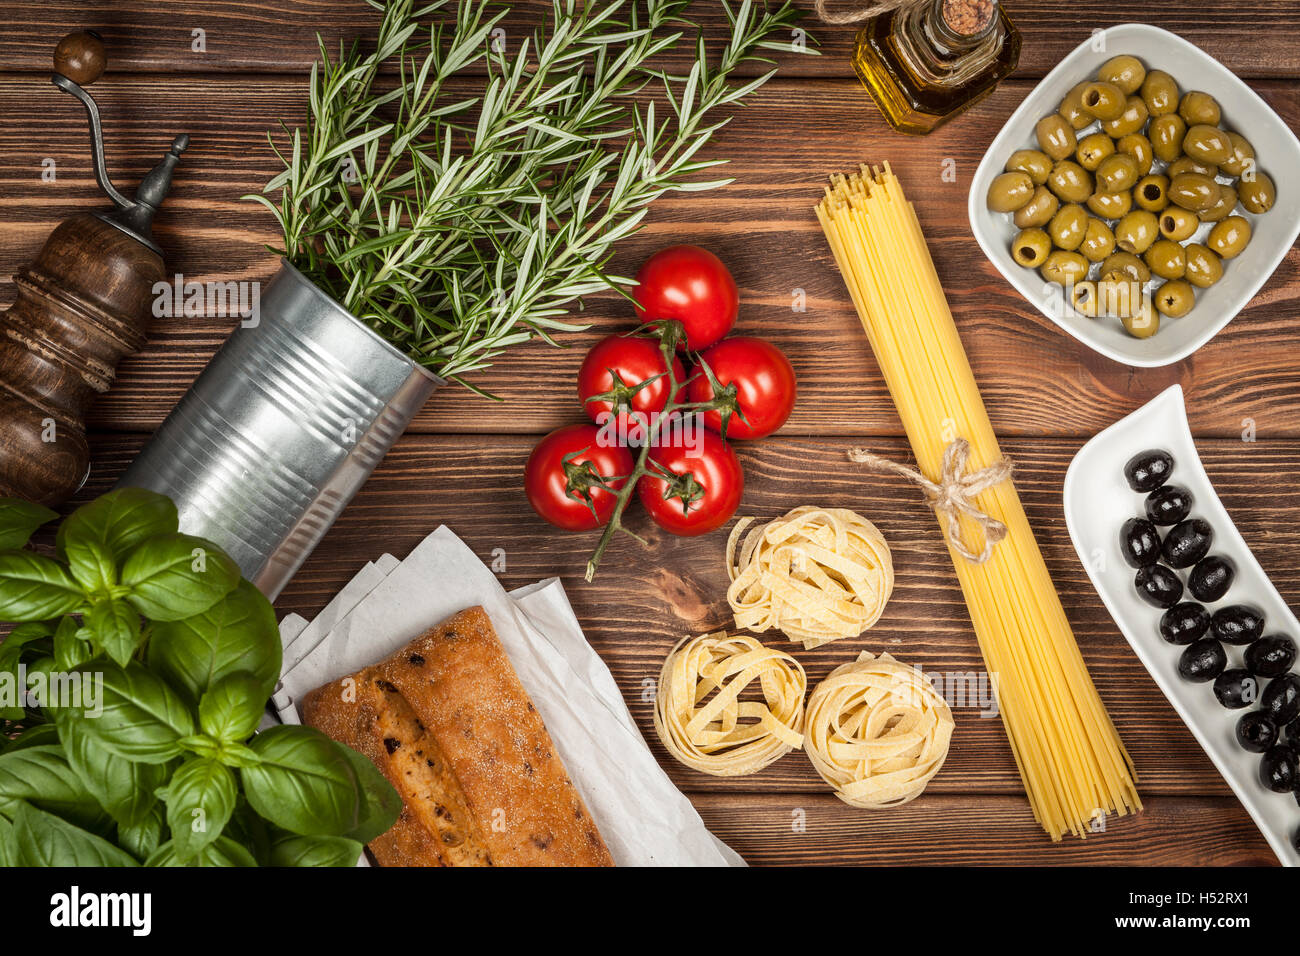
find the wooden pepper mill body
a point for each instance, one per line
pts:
(81, 306)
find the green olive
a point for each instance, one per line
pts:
(1110, 205)
(1117, 173)
(1175, 298)
(1083, 296)
(1064, 267)
(1031, 247)
(1207, 144)
(1139, 147)
(1204, 268)
(1256, 193)
(1068, 227)
(1032, 162)
(1137, 231)
(1105, 101)
(1167, 133)
(1242, 158)
(1126, 72)
(1055, 137)
(1160, 93)
(1009, 191)
(1152, 193)
(1185, 164)
(1093, 149)
(1070, 181)
(1132, 119)
(1118, 294)
(1143, 321)
(1221, 209)
(1071, 109)
(1038, 211)
(1127, 265)
(1166, 259)
(1193, 191)
(1098, 241)
(1228, 238)
(1197, 108)
(1177, 223)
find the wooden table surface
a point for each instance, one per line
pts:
(461, 462)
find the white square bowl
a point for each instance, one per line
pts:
(1277, 151)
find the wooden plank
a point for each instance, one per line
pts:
(1036, 380)
(279, 35)
(808, 830)
(641, 603)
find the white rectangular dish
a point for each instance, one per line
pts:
(1097, 501)
(1278, 153)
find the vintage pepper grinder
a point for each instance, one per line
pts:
(80, 307)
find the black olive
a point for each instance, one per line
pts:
(1187, 542)
(1281, 699)
(1158, 586)
(1211, 578)
(1238, 624)
(1256, 732)
(1184, 623)
(1148, 470)
(1169, 504)
(1277, 769)
(1139, 542)
(1236, 688)
(1271, 656)
(1293, 732)
(1202, 661)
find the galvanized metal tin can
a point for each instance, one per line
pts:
(281, 429)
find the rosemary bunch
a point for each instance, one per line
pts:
(458, 225)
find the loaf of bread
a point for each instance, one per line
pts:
(448, 723)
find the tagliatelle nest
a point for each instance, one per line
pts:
(699, 714)
(817, 574)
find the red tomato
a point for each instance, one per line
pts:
(691, 285)
(707, 490)
(556, 488)
(763, 382)
(632, 360)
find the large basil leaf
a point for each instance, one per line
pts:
(122, 787)
(177, 576)
(92, 564)
(40, 735)
(381, 804)
(143, 838)
(42, 839)
(142, 718)
(42, 776)
(36, 588)
(236, 634)
(223, 851)
(19, 520)
(200, 799)
(295, 850)
(304, 782)
(120, 520)
(115, 627)
(71, 644)
(11, 652)
(232, 707)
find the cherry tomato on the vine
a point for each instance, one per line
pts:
(763, 382)
(691, 285)
(614, 368)
(707, 489)
(559, 490)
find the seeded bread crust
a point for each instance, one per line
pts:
(446, 720)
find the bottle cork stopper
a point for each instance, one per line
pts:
(80, 57)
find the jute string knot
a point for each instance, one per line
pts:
(954, 494)
(857, 16)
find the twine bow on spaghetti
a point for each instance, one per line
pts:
(954, 494)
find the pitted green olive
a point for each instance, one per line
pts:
(1207, 144)
(1031, 248)
(1143, 321)
(1221, 209)
(1055, 137)
(1193, 191)
(1093, 149)
(1132, 119)
(1256, 193)
(1152, 193)
(1175, 298)
(1139, 147)
(1185, 164)
(1127, 265)
(1177, 223)
(1110, 205)
(1126, 72)
(1242, 158)
(1204, 268)
(1167, 133)
(1117, 173)
(1009, 191)
(1064, 267)
(1166, 259)
(1229, 238)
(1071, 108)
(1160, 93)
(1068, 226)
(1083, 296)
(1137, 231)
(1038, 211)
(1033, 163)
(1118, 294)
(1070, 181)
(1098, 241)
(1196, 108)
(1105, 101)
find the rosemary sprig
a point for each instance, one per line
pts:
(457, 226)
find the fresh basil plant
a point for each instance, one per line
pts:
(155, 660)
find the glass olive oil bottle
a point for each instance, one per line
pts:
(930, 60)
